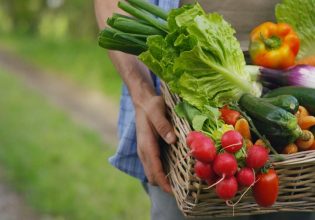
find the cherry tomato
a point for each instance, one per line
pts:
(229, 116)
(266, 188)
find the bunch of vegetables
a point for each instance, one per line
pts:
(199, 58)
(232, 165)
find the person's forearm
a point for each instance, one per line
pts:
(133, 72)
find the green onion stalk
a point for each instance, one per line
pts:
(129, 33)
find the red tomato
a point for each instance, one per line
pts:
(266, 189)
(229, 116)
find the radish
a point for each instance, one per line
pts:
(203, 149)
(192, 136)
(232, 141)
(257, 157)
(225, 165)
(203, 170)
(227, 188)
(245, 177)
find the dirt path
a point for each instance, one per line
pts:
(12, 205)
(89, 108)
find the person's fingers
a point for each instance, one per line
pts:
(149, 153)
(155, 111)
(159, 175)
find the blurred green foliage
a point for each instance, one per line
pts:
(81, 61)
(57, 19)
(61, 167)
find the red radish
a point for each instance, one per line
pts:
(203, 150)
(203, 170)
(232, 141)
(192, 136)
(225, 165)
(227, 188)
(245, 177)
(257, 157)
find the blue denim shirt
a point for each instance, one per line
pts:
(126, 158)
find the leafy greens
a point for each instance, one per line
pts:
(200, 59)
(300, 14)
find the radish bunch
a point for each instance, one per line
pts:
(219, 166)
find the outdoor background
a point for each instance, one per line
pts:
(59, 96)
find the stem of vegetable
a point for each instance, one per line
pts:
(240, 82)
(143, 15)
(152, 9)
(130, 17)
(278, 157)
(114, 40)
(129, 25)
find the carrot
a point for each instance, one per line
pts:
(290, 149)
(306, 122)
(302, 112)
(310, 60)
(242, 127)
(305, 141)
(248, 143)
(312, 146)
(262, 143)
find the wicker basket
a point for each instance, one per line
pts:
(296, 174)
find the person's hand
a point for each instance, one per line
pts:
(151, 123)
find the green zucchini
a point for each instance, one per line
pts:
(305, 96)
(287, 102)
(278, 125)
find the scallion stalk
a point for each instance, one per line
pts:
(128, 25)
(162, 25)
(152, 9)
(114, 40)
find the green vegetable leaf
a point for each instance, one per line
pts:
(198, 122)
(300, 14)
(207, 122)
(200, 59)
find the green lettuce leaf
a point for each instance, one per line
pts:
(300, 14)
(208, 122)
(200, 59)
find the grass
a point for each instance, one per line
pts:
(81, 61)
(59, 166)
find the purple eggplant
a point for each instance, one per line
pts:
(299, 75)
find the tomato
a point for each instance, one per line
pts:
(266, 188)
(229, 116)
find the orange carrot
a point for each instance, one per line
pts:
(306, 122)
(242, 127)
(290, 149)
(262, 143)
(310, 60)
(305, 141)
(302, 112)
(248, 143)
(312, 146)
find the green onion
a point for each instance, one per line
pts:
(129, 25)
(114, 40)
(162, 25)
(152, 9)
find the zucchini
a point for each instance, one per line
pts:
(278, 125)
(305, 96)
(287, 102)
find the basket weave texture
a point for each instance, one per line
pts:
(296, 174)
